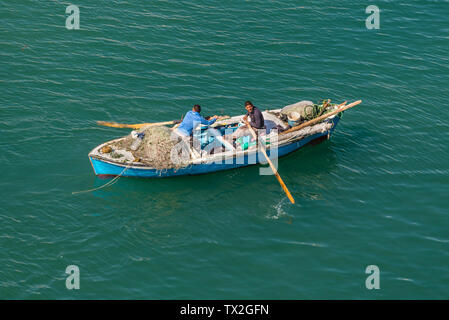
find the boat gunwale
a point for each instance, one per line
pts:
(222, 156)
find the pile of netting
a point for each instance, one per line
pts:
(160, 148)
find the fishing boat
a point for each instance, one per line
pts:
(228, 156)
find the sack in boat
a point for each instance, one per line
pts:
(300, 111)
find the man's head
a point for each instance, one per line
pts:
(197, 108)
(249, 106)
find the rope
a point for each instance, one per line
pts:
(110, 183)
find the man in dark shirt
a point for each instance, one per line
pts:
(255, 120)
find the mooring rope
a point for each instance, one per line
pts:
(110, 183)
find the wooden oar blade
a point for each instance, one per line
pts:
(134, 126)
(284, 187)
(112, 124)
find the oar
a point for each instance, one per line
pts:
(339, 109)
(135, 126)
(272, 166)
(141, 125)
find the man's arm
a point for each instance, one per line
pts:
(208, 122)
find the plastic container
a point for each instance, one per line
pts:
(138, 137)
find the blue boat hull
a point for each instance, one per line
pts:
(103, 168)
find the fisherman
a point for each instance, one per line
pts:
(256, 121)
(192, 119)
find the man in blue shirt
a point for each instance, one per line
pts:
(192, 119)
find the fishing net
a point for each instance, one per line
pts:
(160, 148)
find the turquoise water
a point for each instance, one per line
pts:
(376, 193)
